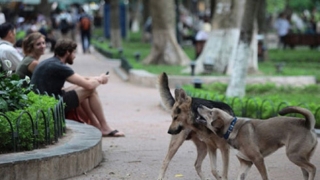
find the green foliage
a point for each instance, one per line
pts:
(276, 6)
(262, 100)
(13, 92)
(37, 116)
(22, 112)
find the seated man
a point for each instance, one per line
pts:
(7, 51)
(51, 74)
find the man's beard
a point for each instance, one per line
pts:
(69, 60)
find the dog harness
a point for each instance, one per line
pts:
(227, 134)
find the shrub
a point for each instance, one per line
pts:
(13, 92)
(262, 100)
(24, 115)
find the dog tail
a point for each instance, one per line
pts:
(163, 86)
(310, 120)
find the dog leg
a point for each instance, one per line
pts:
(259, 163)
(244, 168)
(301, 157)
(213, 162)
(175, 142)
(225, 151)
(201, 154)
(308, 169)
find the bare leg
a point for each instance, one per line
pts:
(94, 110)
(86, 111)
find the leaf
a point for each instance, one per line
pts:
(3, 105)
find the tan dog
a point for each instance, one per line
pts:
(184, 112)
(256, 139)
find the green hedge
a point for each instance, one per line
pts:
(25, 116)
(262, 101)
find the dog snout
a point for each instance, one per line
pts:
(201, 120)
(175, 131)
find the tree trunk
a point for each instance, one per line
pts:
(165, 49)
(213, 8)
(220, 48)
(236, 87)
(115, 31)
(45, 8)
(261, 17)
(135, 16)
(145, 15)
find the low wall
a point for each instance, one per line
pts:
(76, 153)
(144, 78)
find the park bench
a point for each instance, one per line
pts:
(292, 40)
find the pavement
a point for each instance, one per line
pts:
(136, 110)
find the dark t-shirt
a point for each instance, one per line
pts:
(50, 75)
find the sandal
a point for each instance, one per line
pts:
(113, 133)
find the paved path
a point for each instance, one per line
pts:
(136, 111)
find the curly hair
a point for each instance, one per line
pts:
(29, 41)
(63, 46)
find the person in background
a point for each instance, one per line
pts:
(201, 37)
(33, 46)
(2, 17)
(51, 74)
(64, 21)
(282, 27)
(47, 32)
(85, 30)
(7, 49)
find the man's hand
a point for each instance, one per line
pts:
(104, 78)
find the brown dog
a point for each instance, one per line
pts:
(184, 112)
(256, 139)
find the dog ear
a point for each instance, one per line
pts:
(177, 94)
(218, 124)
(183, 95)
(180, 95)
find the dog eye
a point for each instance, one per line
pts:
(178, 110)
(175, 118)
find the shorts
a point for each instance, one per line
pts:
(70, 98)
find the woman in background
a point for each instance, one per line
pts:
(33, 47)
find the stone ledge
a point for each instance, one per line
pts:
(80, 151)
(144, 78)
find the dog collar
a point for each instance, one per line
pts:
(233, 122)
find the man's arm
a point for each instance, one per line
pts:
(89, 82)
(15, 57)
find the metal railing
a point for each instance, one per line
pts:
(243, 108)
(52, 131)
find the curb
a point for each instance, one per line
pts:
(78, 152)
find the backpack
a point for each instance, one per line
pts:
(85, 23)
(64, 26)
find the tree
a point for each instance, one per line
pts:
(236, 87)
(115, 31)
(219, 49)
(44, 7)
(165, 48)
(145, 15)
